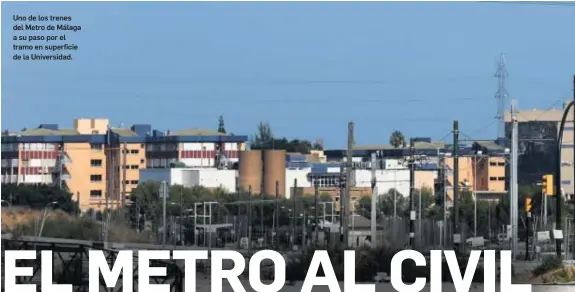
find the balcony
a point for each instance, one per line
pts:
(64, 176)
(65, 158)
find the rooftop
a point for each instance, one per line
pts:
(99, 131)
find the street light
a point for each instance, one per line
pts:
(558, 174)
(53, 203)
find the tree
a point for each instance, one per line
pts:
(397, 139)
(37, 196)
(264, 139)
(221, 127)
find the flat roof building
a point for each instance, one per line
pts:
(95, 161)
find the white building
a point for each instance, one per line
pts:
(386, 179)
(190, 177)
(395, 177)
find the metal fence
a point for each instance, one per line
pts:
(428, 233)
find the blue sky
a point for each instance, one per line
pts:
(306, 68)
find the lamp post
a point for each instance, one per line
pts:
(53, 203)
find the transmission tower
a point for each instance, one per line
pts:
(501, 95)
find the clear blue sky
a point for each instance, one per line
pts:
(307, 68)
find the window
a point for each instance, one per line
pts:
(142, 161)
(95, 177)
(501, 163)
(96, 147)
(501, 178)
(492, 163)
(95, 193)
(493, 178)
(142, 146)
(96, 162)
(134, 182)
(134, 151)
(135, 166)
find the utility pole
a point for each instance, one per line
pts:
(513, 184)
(164, 189)
(373, 201)
(239, 229)
(294, 211)
(181, 216)
(262, 215)
(528, 237)
(250, 221)
(456, 227)
(78, 210)
(411, 193)
(348, 182)
(124, 170)
(342, 184)
(60, 165)
(277, 219)
(315, 209)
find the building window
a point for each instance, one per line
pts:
(142, 161)
(502, 178)
(95, 193)
(96, 147)
(95, 177)
(96, 162)
(501, 163)
(493, 178)
(142, 146)
(135, 166)
(134, 182)
(492, 163)
(134, 151)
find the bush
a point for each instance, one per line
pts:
(549, 263)
(61, 225)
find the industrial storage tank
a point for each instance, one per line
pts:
(250, 171)
(274, 170)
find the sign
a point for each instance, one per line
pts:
(543, 236)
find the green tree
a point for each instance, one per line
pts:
(397, 139)
(264, 139)
(221, 127)
(38, 196)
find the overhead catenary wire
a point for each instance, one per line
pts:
(540, 3)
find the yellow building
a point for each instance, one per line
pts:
(483, 172)
(100, 164)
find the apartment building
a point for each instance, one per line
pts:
(100, 164)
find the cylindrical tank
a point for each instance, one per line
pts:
(274, 170)
(250, 170)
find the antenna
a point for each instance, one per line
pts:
(501, 95)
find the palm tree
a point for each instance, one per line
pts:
(397, 139)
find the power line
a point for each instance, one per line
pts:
(541, 3)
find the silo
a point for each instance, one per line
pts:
(274, 170)
(250, 170)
